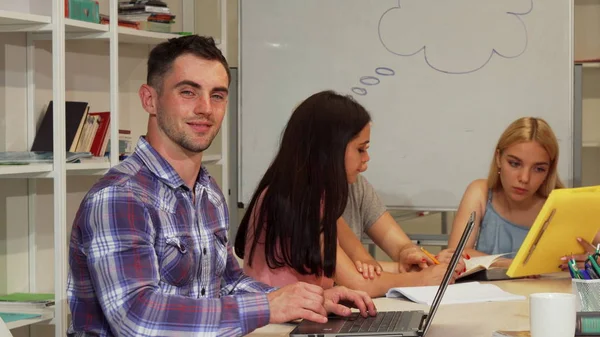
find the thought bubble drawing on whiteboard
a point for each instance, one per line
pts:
(451, 39)
(372, 80)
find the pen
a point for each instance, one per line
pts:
(430, 256)
(594, 265)
(584, 274)
(573, 268)
(590, 271)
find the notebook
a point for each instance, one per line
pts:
(568, 213)
(481, 268)
(477, 263)
(387, 323)
(505, 333)
(469, 292)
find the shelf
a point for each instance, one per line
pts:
(77, 29)
(88, 168)
(591, 144)
(78, 26)
(211, 159)
(130, 35)
(47, 315)
(23, 22)
(26, 171)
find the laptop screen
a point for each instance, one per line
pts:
(453, 262)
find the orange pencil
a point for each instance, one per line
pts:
(430, 256)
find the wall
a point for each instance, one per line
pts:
(587, 46)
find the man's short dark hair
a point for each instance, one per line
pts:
(163, 55)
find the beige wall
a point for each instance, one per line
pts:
(208, 22)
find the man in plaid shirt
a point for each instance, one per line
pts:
(149, 252)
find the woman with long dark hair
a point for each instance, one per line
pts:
(289, 232)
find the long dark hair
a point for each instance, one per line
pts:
(305, 189)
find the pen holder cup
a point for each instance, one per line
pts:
(587, 293)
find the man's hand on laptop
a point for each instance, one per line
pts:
(339, 300)
(311, 302)
(298, 300)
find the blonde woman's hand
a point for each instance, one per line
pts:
(579, 258)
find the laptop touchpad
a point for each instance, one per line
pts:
(333, 324)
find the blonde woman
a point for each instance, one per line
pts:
(522, 175)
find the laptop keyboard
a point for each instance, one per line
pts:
(387, 321)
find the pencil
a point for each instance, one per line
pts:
(430, 256)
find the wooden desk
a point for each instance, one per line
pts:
(465, 320)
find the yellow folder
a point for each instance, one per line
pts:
(568, 213)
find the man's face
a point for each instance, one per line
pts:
(192, 102)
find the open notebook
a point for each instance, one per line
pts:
(479, 263)
(471, 292)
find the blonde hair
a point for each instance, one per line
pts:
(527, 129)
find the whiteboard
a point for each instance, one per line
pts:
(441, 78)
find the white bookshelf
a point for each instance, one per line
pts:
(88, 168)
(26, 171)
(56, 28)
(211, 159)
(11, 21)
(591, 144)
(590, 65)
(136, 36)
(76, 26)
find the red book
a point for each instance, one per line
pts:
(99, 139)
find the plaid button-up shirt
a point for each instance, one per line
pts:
(148, 259)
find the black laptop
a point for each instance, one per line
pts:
(386, 323)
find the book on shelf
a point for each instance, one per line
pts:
(27, 300)
(75, 116)
(125, 143)
(100, 140)
(37, 157)
(9, 317)
(152, 16)
(83, 10)
(87, 134)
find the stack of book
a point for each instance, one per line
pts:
(27, 300)
(150, 15)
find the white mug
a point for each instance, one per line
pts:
(552, 314)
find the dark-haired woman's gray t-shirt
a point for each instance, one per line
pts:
(364, 206)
